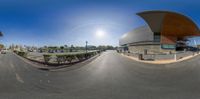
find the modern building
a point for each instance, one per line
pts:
(165, 32)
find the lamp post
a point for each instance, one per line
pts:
(86, 46)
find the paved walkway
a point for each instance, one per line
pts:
(166, 61)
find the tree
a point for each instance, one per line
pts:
(1, 46)
(92, 47)
(71, 49)
(65, 46)
(103, 47)
(62, 47)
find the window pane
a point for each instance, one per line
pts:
(168, 46)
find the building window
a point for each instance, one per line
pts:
(156, 37)
(168, 46)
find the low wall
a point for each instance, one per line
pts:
(178, 55)
(151, 49)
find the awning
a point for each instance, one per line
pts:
(170, 23)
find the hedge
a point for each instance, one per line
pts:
(62, 58)
(47, 58)
(80, 56)
(21, 53)
(70, 57)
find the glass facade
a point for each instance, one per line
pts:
(168, 46)
(156, 37)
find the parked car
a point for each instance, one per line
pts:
(30, 50)
(3, 52)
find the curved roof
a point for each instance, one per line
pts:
(170, 23)
(140, 34)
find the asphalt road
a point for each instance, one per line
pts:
(110, 76)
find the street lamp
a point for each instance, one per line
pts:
(86, 46)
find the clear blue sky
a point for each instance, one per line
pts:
(59, 22)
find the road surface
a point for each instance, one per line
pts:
(110, 76)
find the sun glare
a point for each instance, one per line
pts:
(100, 33)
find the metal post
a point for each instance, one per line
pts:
(175, 56)
(86, 46)
(195, 43)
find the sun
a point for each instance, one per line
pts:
(100, 33)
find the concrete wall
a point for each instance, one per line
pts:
(141, 48)
(151, 49)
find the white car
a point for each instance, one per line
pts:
(3, 52)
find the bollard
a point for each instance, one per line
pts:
(140, 57)
(175, 58)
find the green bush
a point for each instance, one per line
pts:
(94, 53)
(88, 55)
(61, 58)
(80, 56)
(47, 57)
(21, 53)
(98, 51)
(70, 57)
(15, 51)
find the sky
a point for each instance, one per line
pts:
(67, 22)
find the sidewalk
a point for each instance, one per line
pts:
(167, 61)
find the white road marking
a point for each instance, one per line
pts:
(12, 66)
(19, 78)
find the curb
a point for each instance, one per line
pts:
(161, 62)
(45, 67)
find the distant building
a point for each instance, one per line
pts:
(166, 32)
(16, 47)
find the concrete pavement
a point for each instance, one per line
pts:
(110, 76)
(163, 61)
